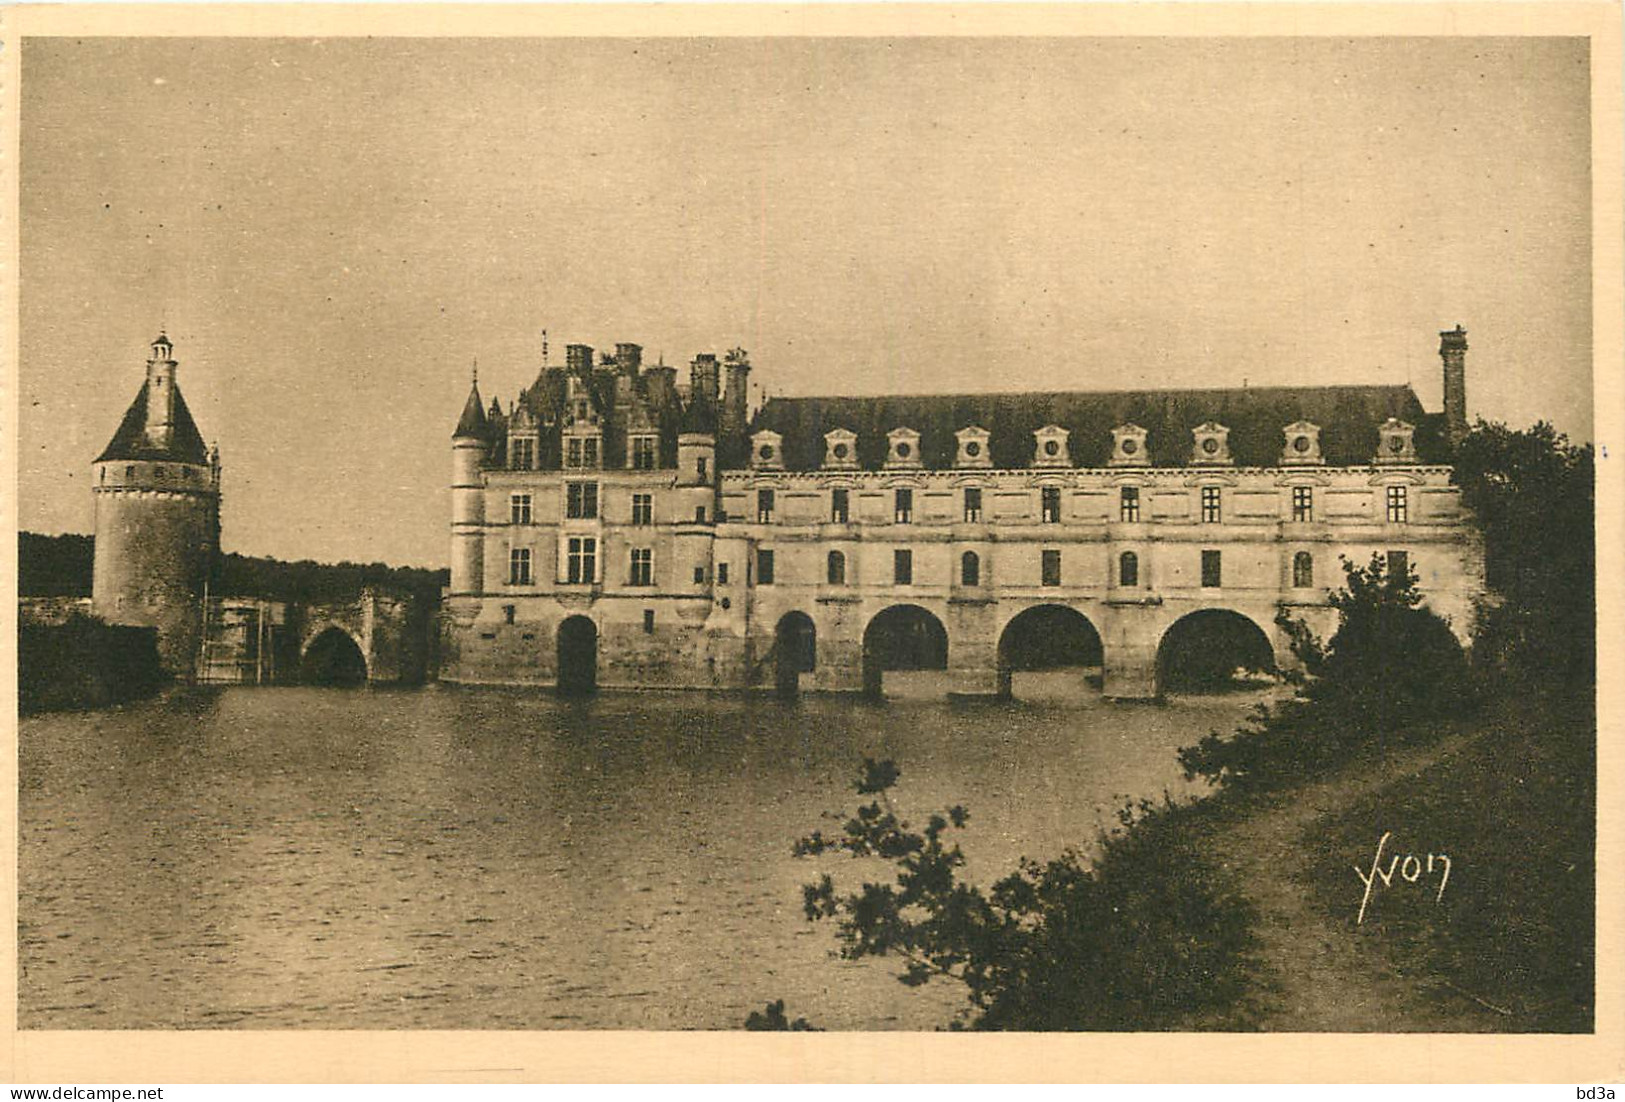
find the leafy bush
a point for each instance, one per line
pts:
(1390, 664)
(1141, 939)
(773, 1019)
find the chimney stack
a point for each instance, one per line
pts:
(629, 358)
(578, 360)
(703, 378)
(736, 367)
(1453, 350)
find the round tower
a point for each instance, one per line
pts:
(157, 491)
(469, 445)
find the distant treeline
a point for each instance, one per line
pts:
(61, 566)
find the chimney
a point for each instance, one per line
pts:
(629, 358)
(160, 426)
(736, 366)
(578, 360)
(703, 378)
(1453, 350)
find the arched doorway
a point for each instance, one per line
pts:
(578, 657)
(333, 658)
(795, 651)
(1212, 650)
(1050, 638)
(902, 637)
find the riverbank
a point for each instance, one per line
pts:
(1498, 940)
(82, 663)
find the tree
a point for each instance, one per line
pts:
(1139, 938)
(1533, 495)
(1391, 664)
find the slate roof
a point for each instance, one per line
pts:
(1348, 417)
(130, 441)
(472, 424)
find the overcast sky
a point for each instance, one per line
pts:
(332, 230)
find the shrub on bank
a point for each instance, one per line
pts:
(1141, 938)
(85, 663)
(1391, 666)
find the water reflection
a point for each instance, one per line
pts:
(290, 857)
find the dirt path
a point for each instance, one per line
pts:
(1321, 977)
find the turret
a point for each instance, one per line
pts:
(160, 426)
(1453, 350)
(157, 492)
(703, 379)
(470, 443)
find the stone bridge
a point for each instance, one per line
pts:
(378, 636)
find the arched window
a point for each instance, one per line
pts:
(1303, 570)
(970, 569)
(837, 568)
(1128, 569)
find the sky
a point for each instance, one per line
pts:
(332, 231)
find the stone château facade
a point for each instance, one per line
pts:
(613, 527)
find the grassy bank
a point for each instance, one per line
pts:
(1514, 810)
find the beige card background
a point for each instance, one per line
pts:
(241, 1056)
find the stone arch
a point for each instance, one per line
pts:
(1202, 651)
(577, 656)
(795, 651)
(333, 656)
(902, 637)
(1047, 637)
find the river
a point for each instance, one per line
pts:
(486, 859)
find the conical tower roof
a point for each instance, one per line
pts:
(472, 424)
(131, 442)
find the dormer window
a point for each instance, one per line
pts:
(840, 450)
(1050, 447)
(903, 449)
(974, 452)
(767, 451)
(522, 453)
(642, 455)
(1210, 445)
(1129, 447)
(1395, 442)
(1301, 446)
(581, 451)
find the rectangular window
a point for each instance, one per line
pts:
(572, 452)
(905, 506)
(508, 612)
(699, 575)
(764, 506)
(699, 514)
(643, 508)
(903, 567)
(643, 566)
(581, 500)
(764, 567)
(1399, 565)
(1051, 568)
(1050, 509)
(589, 452)
(722, 573)
(973, 504)
(524, 454)
(702, 468)
(1128, 504)
(648, 621)
(1303, 503)
(519, 509)
(1398, 505)
(1210, 570)
(643, 453)
(839, 505)
(519, 566)
(1210, 504)
(581, 560)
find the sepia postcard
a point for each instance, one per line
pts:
(994, 542)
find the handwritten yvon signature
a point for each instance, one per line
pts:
(1410, 868)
